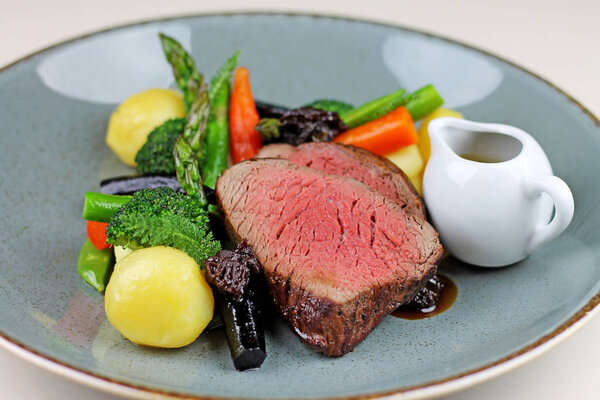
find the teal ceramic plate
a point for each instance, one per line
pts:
(54, 108)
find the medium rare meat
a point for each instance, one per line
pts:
(337, 255)
(377, 172)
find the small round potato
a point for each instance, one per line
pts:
(121, 252)
(131, 123)
(158, 297)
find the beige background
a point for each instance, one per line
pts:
(559, 40)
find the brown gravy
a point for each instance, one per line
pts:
(447, 296)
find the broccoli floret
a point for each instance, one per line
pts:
(163, 217)
(331, 105)
(156, 155)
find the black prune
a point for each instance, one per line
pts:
(229, 271)
(429, 296)
(309, 124)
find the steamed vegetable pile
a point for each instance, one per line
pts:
(163, 228)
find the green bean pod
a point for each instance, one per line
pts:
(423, 102)
(100, 207)
(95, 266)
(373, 109)
(217, 137)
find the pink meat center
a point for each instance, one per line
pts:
(335, 161)
(329, 233)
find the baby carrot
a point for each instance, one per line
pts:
(243, 117)
(383, 135)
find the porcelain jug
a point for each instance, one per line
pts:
(490, 192)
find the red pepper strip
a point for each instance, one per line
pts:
(97, 234)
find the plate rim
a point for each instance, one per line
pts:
(429, 389)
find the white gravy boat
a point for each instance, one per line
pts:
(498, 209)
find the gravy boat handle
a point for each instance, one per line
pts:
(564, 207)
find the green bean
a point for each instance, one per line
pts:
(217, 138)
(372, 109)
(95, 266)
(419, 104)
(423, 102)
(100, 207)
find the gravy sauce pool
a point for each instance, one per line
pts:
(446, 295)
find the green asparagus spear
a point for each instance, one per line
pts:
(268, 129)
(188, 174)
(187, 77)
(189, 146)
(217, 138)
(222, 76)
(197, 121)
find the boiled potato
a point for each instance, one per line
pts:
(417, 182)
(424, 142)
(121, 252)
(158, 297)
(137, 116)
(409, 160)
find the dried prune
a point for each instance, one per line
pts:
(229, 271)
(309, 124)
(266, 110)
(427, 297)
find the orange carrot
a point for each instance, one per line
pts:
(243, 117)
(383, 135)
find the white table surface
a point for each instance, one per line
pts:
(559, 40)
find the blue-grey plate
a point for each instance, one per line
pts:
(54, 107)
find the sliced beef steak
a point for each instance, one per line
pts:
(275, 150)
(377, 172)
(338, 256)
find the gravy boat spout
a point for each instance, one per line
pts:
(490, 192)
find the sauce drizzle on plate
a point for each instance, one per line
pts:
(446, 295)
